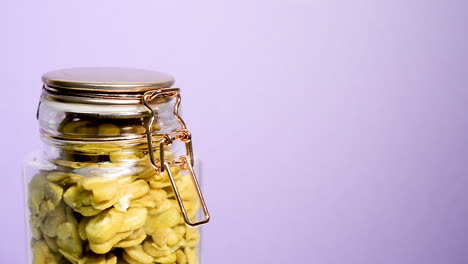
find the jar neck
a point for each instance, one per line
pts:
(108, 120)
(108, 133)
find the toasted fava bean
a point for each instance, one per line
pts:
(151, 199)
(71, 127)
(192, 207)
(185, 187)
(45, 208)
(109, 130)
(146, 172)
(136, 238)
(111, 259)
(42, 254)
(52, 243)
(167, 259)
(103, 248)
(181, 258)
(191, 255)
(68, 239)
(80, 201)
(70, 216)
(161, 235)
(165, 205)
(82, 228)
(137, 189)
(165, 236)
(100, 259)
(155, 250)
(70, 257)
(133, 191)
(117, 157)
(135, 218)
(97, 259)
(168, 218)
(103, 189)
(88, 211)
(180, 229)
(192, 237)
(43, 195)
(35, 200)
(137, 253)
(55, 218)
(72, 164)
(63, 178)
(35, 223)
(162, 181)
(86, 130)
(104, 226)
(129, 259)
(134, 129)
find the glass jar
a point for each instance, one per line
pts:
(115, 181)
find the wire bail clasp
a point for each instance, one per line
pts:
(185, 162)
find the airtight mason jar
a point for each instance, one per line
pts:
(115, 182)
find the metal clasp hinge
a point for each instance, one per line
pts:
(185, 162)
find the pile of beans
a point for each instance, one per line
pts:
(110, 218)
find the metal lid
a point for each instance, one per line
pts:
(107, 80)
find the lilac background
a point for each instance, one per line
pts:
(331, 131)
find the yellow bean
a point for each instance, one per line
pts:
(135, 218)
(119, 156)
(71, 127)
(108, 130)
(192, 237)
(168, 218)
(87, 130)
(135, 239)
(138, 254)
(191, 255)
(181, 258)
(35, 224)
(63, 178)
(162, 181)
(151, 199)
(154, 250)
(165, 236)
(70, 257)
(111, 259)
(104, 226)
(103, 189)
(52, 243)
(82, 228)
(133, 191)
(167, 259)
(179, 230)
(100, 259)
(44, 196)
(163, 206)
(103, 248)
(42, 253)
(54, 219)
(79, 199)
(68, 239)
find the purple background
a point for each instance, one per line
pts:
(331, 131)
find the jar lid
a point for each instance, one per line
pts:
(107, 80)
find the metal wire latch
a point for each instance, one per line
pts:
(185, 162)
